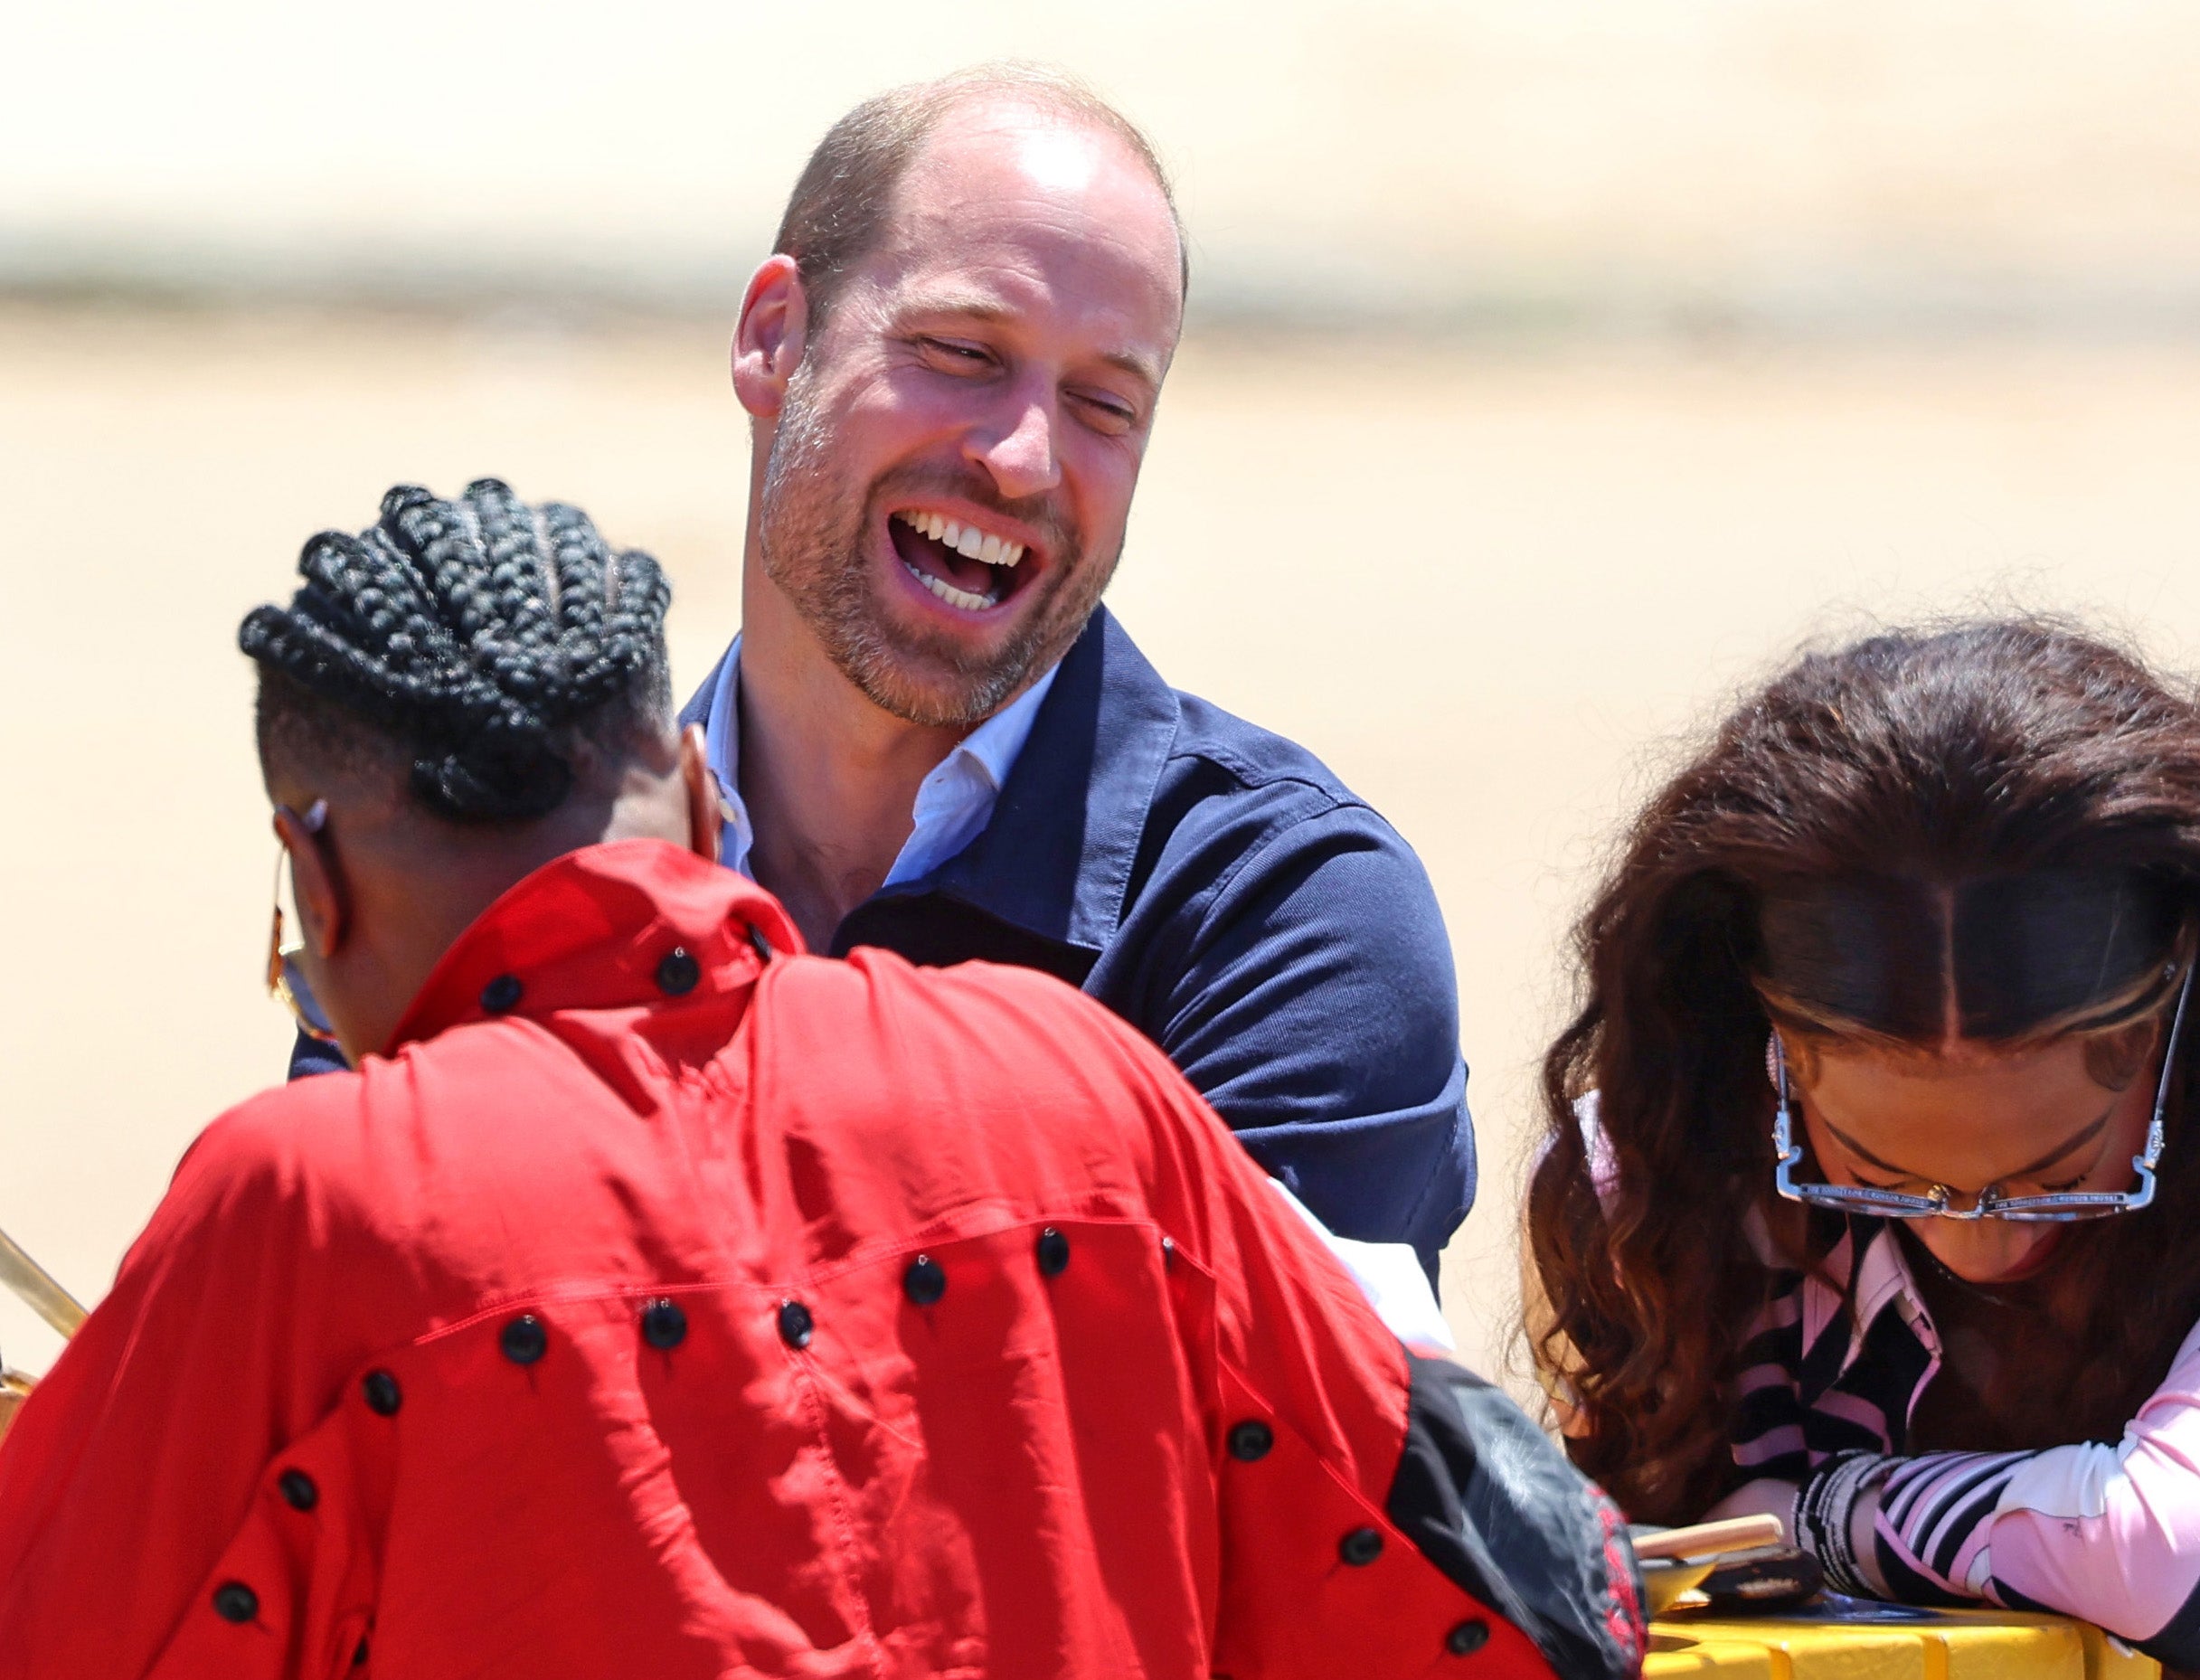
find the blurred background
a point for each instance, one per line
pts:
(1554, 369)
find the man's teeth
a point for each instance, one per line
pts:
(948, 593)
(968, 541)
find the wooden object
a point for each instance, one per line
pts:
(1704, 1539)
(36, 1286)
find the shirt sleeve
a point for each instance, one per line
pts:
(1317, 1009)
(171, 1398)
(2110, 1533)
(1390, 1276)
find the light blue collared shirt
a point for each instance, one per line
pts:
(954, 802)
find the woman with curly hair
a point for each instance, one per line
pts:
(1870, 1181)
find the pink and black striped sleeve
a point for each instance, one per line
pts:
(2108, 1534)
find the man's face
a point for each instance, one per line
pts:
(952, 467)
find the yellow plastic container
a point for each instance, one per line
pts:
(1942, 1645)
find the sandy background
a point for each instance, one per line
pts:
(1492, 592)
(1555, 367)
(1554, 164)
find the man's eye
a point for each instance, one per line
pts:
(969, 354)
(1108, 413)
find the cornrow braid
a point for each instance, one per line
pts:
(481, 637)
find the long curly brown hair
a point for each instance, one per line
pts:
(1980, 748)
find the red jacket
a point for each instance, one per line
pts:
(662, 1307)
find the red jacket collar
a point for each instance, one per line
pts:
(603, 927)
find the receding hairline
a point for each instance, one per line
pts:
(836, 213)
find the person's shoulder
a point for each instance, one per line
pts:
(1243, 815)
(977, 1031)
(296, 1142)
(1226, 780)
(402, 1151)
(872, 995)
(932, 1088)
(1260, 761)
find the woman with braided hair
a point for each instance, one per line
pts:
(485, 635)
(1871, 1177)
(501, 656)
(649, 1298)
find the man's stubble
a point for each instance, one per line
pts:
(812, 525)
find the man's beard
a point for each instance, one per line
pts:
(812, 545)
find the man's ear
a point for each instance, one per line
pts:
(770, 336)
(705, 816)
(316, 884)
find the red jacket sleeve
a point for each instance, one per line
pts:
(171, 1399)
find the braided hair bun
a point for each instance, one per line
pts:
(481, 636)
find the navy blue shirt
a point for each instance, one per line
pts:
(1219, 888)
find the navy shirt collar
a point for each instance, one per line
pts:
(1056, 858)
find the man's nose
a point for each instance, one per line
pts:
(1018, 449)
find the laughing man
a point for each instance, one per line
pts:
(930, 735)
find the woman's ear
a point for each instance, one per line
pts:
(706, 810)
(769, 338)
(316, 883)
(1799, 1054)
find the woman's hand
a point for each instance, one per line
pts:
(1768, 1496)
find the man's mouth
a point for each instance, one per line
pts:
(963, 563)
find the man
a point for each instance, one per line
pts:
(657, 1299)
(933, 739)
